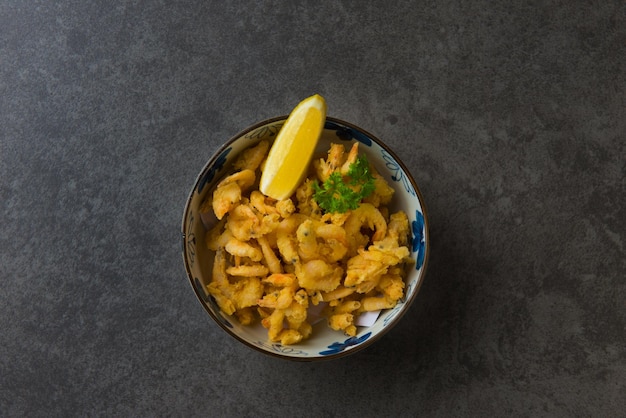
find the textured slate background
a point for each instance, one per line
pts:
(510, 115)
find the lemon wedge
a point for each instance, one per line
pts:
(291, 153)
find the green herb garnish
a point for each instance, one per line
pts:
(339, 194)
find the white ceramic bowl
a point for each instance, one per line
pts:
(325, 343)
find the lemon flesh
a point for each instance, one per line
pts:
(291, 153)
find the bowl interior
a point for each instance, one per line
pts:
(325, 343)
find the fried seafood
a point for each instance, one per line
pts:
(273, 259)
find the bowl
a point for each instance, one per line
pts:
(324, 343)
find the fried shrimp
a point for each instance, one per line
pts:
(254, 270)
(320, 240)
(259, 202)
(228, 192)
(271, 260)
(350, 159)
(245, 223)
(307, 241)
(383, 192)
(285, 239)
(251, 158)
(319, 275)
(275, 258)
(325, 167)
(244, 179)
(366, 216)
(306, 204)
(243, 249)
(225, 198)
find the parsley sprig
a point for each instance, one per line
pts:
(338, 194)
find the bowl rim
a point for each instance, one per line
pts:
(369, 341)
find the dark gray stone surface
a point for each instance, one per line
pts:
(510, 115)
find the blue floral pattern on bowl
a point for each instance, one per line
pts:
(418, 243)
(210, 174)
(191, 241)
(398, 174)
(200, 289)
(346, 133)
(264, 132)
(283, 349)
(338, 347)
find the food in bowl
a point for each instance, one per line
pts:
(323, 342)
(333, 243)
